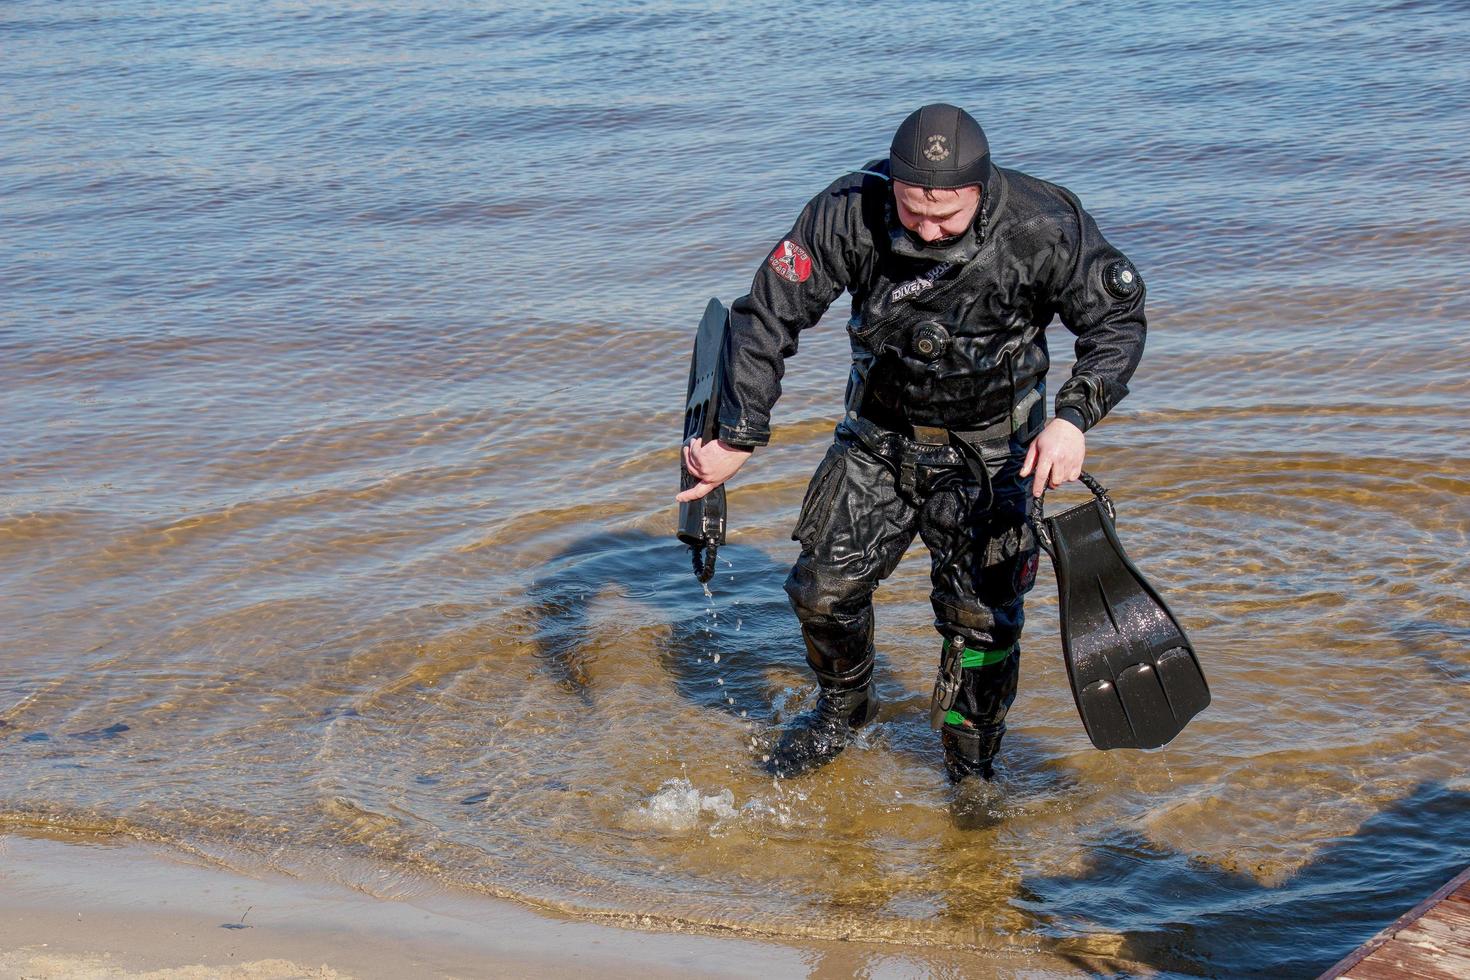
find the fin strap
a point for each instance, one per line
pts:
(1037, 519)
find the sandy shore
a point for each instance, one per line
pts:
(70, 911)
(73, 911)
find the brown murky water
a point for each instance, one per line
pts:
(342, 360)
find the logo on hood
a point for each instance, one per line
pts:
(936, 148)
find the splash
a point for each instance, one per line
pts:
(679, 806)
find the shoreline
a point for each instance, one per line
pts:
(132, 910)
(88, 909)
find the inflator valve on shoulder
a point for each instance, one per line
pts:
(1121, 279)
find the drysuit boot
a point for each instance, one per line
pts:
(844, 703)
(968, 757)
(970, 751)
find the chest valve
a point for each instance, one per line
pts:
(929, 341)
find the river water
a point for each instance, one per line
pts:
(343, 352)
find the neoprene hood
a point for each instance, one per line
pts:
(940, 146)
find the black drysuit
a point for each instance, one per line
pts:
(934, 433)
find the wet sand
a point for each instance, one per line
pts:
(70, 911)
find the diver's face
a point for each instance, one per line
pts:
(935, 215)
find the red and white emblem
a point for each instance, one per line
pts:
(1026, 573)
(791, 262)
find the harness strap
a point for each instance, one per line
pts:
(933, 435)
(1006, 427)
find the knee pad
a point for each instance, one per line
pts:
(817, 594)
(836, 617)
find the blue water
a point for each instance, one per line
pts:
(341, 354)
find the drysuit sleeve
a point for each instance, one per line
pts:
(1099, 296)
(799, 279)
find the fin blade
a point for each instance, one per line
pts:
(1148, 708)
(1133, 672)
(702, 521)
(1184, 683)
(1104, 717)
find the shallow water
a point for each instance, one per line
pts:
(342, 361)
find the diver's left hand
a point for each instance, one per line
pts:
(1056, 455)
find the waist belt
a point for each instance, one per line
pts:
(933, 435)
(975, 447)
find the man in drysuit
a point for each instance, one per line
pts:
(955, 268)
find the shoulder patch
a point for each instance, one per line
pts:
(1121, 279)
(791, 262)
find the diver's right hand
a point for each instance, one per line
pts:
(711, 463)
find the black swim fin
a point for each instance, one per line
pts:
(1133, 671)
(702, 521)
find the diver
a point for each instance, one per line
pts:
(955, 267)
